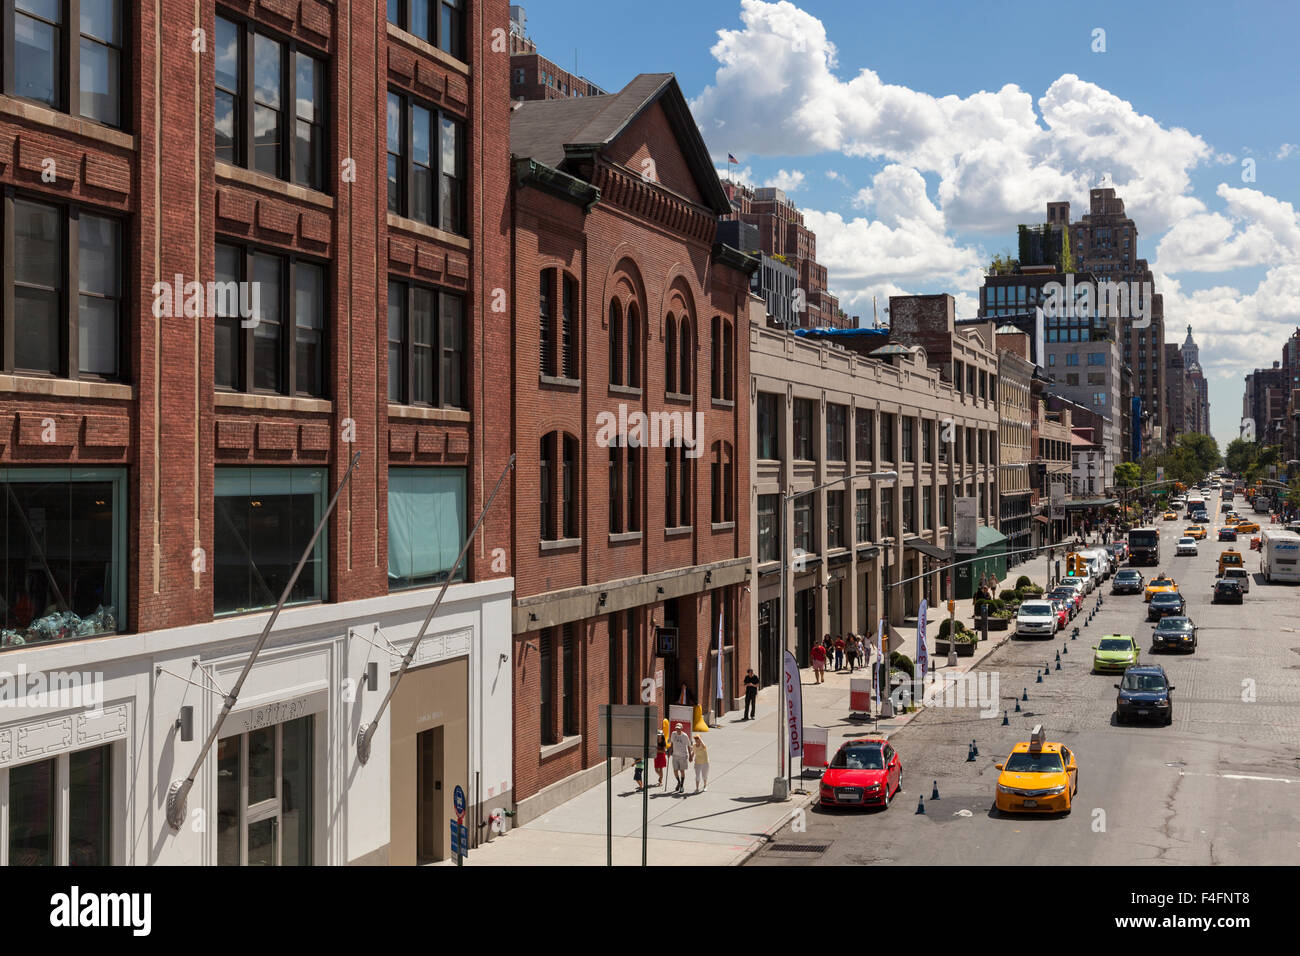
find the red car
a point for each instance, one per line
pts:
(863, 773)
(1062, 608)
(1073, 596)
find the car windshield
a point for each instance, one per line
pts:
(1035, 763)
(858, 758)
(1166, 597)
(1143, 682)
(1037, 607)
(1115, 644)
(1129, 575)
(1186, 540)
(1161, 583)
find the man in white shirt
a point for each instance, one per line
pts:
(683, 753)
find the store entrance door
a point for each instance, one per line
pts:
(429, 826)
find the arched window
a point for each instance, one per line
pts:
(685, 352)
(558, 487)
(728, 361)
(670, 354)
(545, 320)
(615, 343)
(569, 328)
(722, 483)
(633, 346)
(715, 358)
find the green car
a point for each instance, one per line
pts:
(1114, 653)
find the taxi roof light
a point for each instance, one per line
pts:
(1037, 737)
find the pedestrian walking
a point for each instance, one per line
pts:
(851, 651)
(839, 652)
(751, 693)
(638, 769)
(661, 760)
(818, 655)
(682, 755)
(701, 765)
(830, 649)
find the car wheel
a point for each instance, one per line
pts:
(1169, 717)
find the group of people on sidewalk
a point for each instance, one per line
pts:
(678, 748)
(846, 648)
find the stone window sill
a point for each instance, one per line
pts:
(572, 383)
(618, 537)
(631, 390)
(568, 743)
(562, 544)
(678, 532)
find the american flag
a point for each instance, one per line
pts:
(732, 160)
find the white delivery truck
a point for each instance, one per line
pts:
(1279, 555)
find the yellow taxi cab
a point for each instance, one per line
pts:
(1170, 516)
(1161, 582)
(1195, 531)
(1038, 777)
(1247, 527)
(1229, 559)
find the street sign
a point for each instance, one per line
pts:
(458, 800)
(665, 641)
(459, 839)
(628, 729)
(964, 510)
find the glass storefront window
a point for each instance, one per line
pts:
(426, 525)
(264, 518)
(62, 554)
(60, 811)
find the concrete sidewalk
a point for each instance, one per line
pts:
(725, 824)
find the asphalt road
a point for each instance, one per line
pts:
(1219, 786)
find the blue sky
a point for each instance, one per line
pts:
(916, 136)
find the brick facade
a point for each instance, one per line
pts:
(646, 244)
(166, 422)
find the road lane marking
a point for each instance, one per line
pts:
(1236, 776)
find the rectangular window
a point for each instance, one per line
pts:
(54, 332)
(803, 524)
(836, 432)
(426, 164)
(75, 68)
(886, 512)
(269, 117)
(927, 439)
(263, 519)
(63, 562)
(1072, 358)
(909, 427)
(886, 437)
(803, 430)
(769, 422)
(834, 519)
(282, 301)
(769, 546)
(426, 346)
(439, 22)
(427, 524)
(863, 436)
(864, 511)
(909, 511)
(546, 673)
(927, 511)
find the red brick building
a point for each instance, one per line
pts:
(624, 306)
(171, 453)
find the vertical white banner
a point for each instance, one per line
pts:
(922, 650)
(793, 706)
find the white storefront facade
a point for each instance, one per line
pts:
(84, 773)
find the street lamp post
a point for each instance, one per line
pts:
(781, 786)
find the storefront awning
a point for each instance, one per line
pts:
(926, 548)
(1043, 518)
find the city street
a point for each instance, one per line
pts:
(1219, 786)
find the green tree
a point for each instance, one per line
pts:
(1067, 257)
(1128, 474)
(1204, 451)
(1241, 455)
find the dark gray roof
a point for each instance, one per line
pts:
(547, 131)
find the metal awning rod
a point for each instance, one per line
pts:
(367, 731)
(180, 789)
